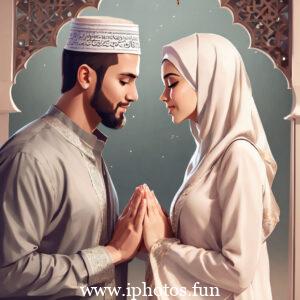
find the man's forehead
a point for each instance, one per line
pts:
(126, 57)
(129, 63)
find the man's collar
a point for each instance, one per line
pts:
(95, 140)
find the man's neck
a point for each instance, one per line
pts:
(79, 110)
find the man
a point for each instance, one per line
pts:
(58, 206)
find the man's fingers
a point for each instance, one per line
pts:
(139, 218)
(135, 204)
(128, 207)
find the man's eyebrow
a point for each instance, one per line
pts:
(170, 74)
(131, 75)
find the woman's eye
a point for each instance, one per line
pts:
(172, 85)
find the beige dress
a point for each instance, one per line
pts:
(225, 210)
(58, 208)
(219, 233)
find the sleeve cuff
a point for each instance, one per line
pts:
(99, 265)
(161, 248)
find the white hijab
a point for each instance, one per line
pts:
(225, 110)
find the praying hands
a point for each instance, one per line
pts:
(156, 224)
(141, 224)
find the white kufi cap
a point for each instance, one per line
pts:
(103, 35)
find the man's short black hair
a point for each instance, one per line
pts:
(72, 60)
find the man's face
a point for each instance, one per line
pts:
(118, 91)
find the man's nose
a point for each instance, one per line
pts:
(133, 94)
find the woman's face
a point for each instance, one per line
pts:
(179, 96)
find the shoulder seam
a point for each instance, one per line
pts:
(39, 162)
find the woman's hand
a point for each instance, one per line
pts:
(156, 223)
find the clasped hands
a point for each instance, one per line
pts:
(141, 224)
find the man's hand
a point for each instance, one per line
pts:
(129, 228)
(156, 223)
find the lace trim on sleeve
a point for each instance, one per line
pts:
(161, 248)
(99, 265)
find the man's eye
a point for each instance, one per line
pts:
(122, 82)
(172, 85)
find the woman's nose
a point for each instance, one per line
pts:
(163, 96)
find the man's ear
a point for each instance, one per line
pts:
(84, 76)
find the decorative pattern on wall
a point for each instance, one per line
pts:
(267, 21)
(38, 22)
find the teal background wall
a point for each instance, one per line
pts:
(150, 148)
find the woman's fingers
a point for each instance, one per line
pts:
(145, 226)
(151, 203)
(157, 203)
(146, 191)
(154, 200)
(146, 217)
(153, 213)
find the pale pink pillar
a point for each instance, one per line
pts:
(294, 117)
(7, 17)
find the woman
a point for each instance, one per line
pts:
(225, 210)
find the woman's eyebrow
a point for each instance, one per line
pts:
(169, 74)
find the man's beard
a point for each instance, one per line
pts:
(108, 115)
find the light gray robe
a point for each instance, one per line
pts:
(58, 208)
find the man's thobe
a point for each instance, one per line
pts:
(58, 208)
